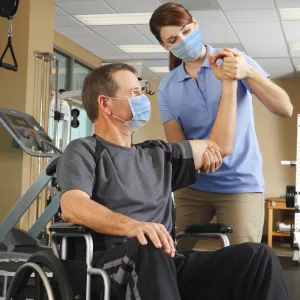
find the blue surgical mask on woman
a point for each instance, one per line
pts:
(141, 110)
(189, 49)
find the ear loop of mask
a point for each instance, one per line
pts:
(119, 99)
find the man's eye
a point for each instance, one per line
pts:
(187, 31)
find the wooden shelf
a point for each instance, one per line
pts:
(276, 233)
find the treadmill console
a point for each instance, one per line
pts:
(25, 130)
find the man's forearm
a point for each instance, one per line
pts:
(86, 212)
(223, 131)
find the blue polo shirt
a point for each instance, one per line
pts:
(195, 108)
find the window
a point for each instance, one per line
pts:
(63, 72)
(79, 73)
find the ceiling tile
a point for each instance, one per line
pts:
(133, 6)
(228, 45)
(218, 33)
(296, 61)
(161, 75)
(265, 39)
(208, 16)
(148, 55)
(279, 67)
(147, 74)
(292, 30)
(251, 15)
(84, 7)
(65, 0)
(246, 4)
(288, 3)
(145, 30)
(155, 62)
(107, 51)
(197, 4)
(121, 35)
(79, 31)
(295, 53)
(59, 12)
(88, 40)
(61, 21)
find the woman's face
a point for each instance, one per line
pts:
(173, 35)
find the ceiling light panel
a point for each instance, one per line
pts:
(159, 69)
(290, 13)
(115, 19)
(142, 48)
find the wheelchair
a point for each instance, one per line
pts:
(58, 278)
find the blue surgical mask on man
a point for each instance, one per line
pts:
(189, 49)
(141, 110)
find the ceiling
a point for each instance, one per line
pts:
(256, 27)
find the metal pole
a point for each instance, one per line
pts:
(55, 136)
(41, 123)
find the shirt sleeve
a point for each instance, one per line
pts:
(181, 158)
(76, 167)
(164, 108)
(256, 65)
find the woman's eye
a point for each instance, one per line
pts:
(187, 31)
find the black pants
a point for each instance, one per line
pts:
(241, 272)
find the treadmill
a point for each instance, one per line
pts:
(28, 135)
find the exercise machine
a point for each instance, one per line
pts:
(28, 135)
(293, 198)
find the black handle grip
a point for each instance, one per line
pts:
(9, 67)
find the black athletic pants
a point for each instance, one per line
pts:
(240, 272)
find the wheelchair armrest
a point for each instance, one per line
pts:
(62, 227)
(209, 228)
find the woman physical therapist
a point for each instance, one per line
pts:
(188, 99)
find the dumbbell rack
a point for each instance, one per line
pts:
(296, 229)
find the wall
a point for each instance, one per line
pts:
(83, 55)
(31, 32)
(154, 129)
(277, 139)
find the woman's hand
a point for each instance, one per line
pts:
(218, 70)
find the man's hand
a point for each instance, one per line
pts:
(236, 66)
(157, 233)
(218, 70)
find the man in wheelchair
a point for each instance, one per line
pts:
(123, 192)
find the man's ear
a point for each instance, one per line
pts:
(104, 104)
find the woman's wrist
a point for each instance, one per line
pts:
(229, 83)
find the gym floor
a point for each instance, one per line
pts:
(281, 249)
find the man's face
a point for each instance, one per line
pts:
(129, 87)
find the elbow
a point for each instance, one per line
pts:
(286, 109)
(285, 112)
(66, 214)
(226, 151)
(288, 112)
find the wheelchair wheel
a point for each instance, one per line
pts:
(49, 263)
